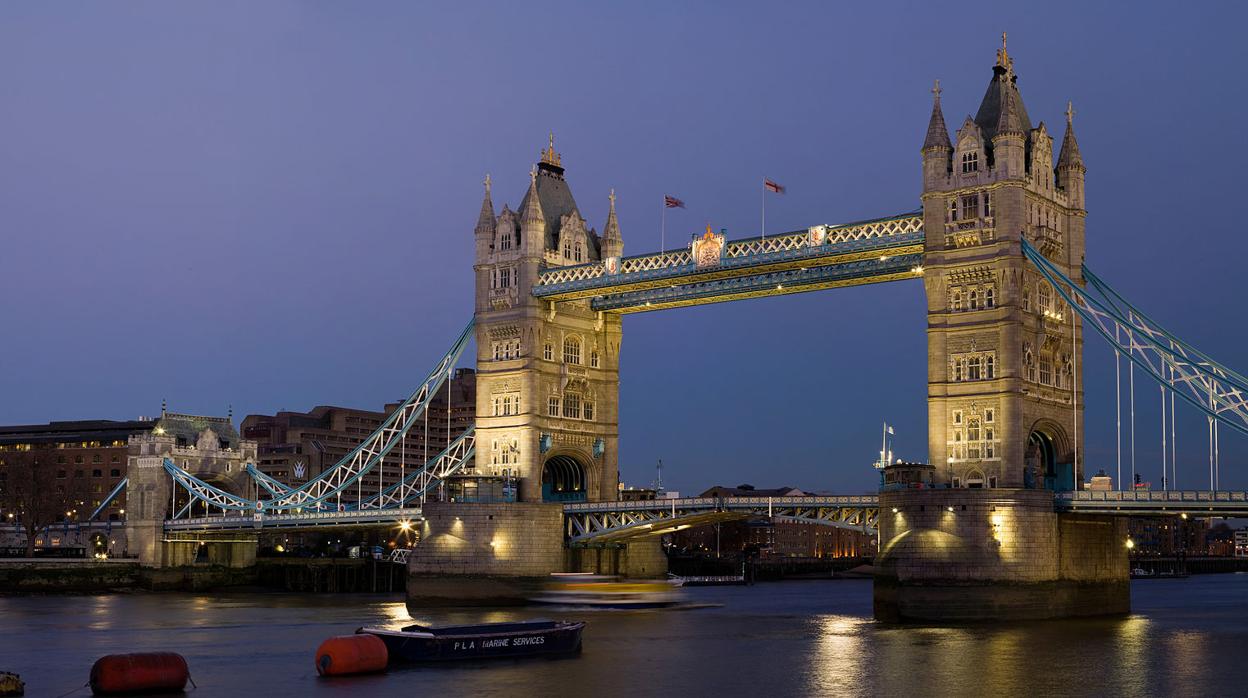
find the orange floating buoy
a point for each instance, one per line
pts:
(351, 654)
(145, 671)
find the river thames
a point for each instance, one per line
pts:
(792, 638)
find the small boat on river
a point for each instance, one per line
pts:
(418, 643)
(608, 591)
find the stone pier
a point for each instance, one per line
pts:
(962, 555)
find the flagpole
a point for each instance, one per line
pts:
(663, 225)
(764, 208)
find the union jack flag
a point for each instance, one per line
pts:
(672, 202)
(772, 186)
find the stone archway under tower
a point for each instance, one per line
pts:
(565, 478)
(1048, 458)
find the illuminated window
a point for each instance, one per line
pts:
(1044, 295)
(572, 350)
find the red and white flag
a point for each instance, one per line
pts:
(772, 186)
(672, 202)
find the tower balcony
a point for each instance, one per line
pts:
(970, 232)
(1047, 240)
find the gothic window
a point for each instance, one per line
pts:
(972, 300)
(1029, 363)
(972, 369)
(577, 252)
(504, 277)
(955, 299)
(957, 416)
(504, 243)
(958, 366)
(953, 209)
(970, 162)
(990, 296)
(990, 446)
(548, 352)
(552, 407)
(989, 368)
(572, 406)
(1027, 298)
(567, 250)
(593, 359)
(1044, 295)
(1046, 369)
(987, 204)
(970, 206)
(571, 350)
(989, 414)
(972, 437)
(588, 408)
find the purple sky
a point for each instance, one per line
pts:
(271, 204)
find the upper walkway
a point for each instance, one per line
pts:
(713, 269)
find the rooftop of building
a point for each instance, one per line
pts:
(72, 431)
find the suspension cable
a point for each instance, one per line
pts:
(1131, 373)
(1118, 402)
(1165, 480)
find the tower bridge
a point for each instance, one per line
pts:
(998, 244)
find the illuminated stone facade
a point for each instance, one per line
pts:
(1005, 401)
(547, 373)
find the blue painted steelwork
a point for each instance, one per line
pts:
(109, 499)
(1149, 503)
(1206, 385)
(619, 521)
(417, 484)
(680, 267)
(789, 280)
(296, 519)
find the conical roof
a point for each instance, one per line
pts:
(611, 232)
(937, 131)
(1070, 156)
(531, 206)
(486, 220)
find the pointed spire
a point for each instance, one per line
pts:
(937, 132)
(485, 221)
(612, 241)
(531, 214)
(1004, 62)
(1008, 120)
(1070, 156)
(549, 156)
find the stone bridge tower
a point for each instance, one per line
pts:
(1005, 402)
(547, 373)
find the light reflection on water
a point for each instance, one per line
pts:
(797, 638)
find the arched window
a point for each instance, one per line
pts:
(593, 359)
(955, 299)
(989, 297)
(1027, 298)
(571, 350)
(973, 300)
(567, 250)
(577, 252)
(989, 367)
(1043, 294)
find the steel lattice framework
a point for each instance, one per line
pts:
(363, 458)
(416, 485)
(1204, 383)
(605, 522)
(1151, 503)
(808, 260)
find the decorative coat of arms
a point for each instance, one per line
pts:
(613, 265)
(816, 234)
(708, 250)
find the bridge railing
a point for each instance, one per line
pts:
(291, 519)
(866, 500)
(1154, 496)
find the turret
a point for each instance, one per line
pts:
(612, 241)
(532, 220)
(1009, 144)
(484, 232)
(1070, 169)
(936, 146)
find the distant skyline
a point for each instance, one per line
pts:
(270, 205)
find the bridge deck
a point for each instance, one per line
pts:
(1204, 502)
(322, 519)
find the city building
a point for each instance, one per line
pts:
(1241, 542)
(1168, 536)
(75, 464)
(294, 447)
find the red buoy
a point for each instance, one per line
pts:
(351, 654)
(133, 673)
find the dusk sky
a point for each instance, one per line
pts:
(271, 205)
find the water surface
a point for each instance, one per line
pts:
(788, 638)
